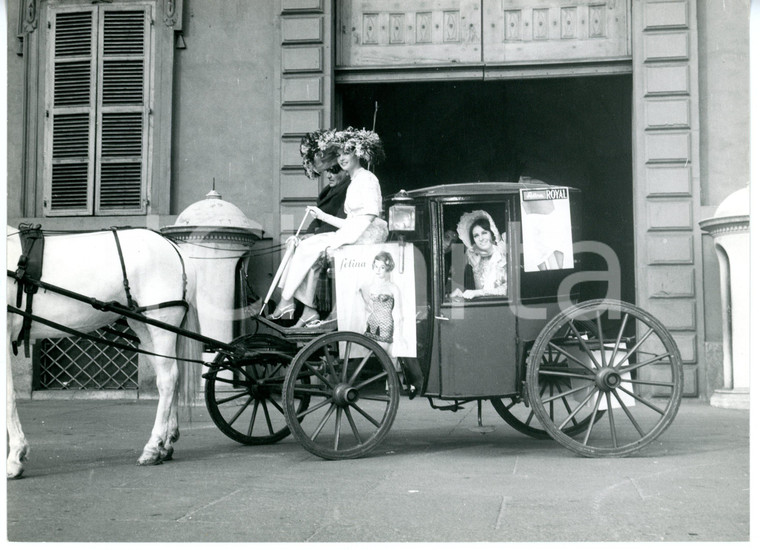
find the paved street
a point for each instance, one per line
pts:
(432, 479)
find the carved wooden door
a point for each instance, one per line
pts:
(547, 31)
(389, 32)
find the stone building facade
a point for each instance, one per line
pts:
(641, 104)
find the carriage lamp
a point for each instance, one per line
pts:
(401, 219)
(401, 215)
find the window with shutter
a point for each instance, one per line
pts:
(97, 107)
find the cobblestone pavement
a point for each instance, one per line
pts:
(433, 479)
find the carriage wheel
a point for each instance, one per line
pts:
(243, 396)
(354, 392)
(637, 381)
(516, 411)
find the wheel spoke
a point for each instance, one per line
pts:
(266, 416)
(628, 413)
(576, 411)
(371, 380)
(642, 400)
(566, 374)
(353, 426)
(329, 362)
(322, 423)
(253, 417)
(629, 368)
(651, 383)
(383, 398)
(568, 392)
(574, 359)
(240, 411)
(314, 408)
(336, 440)
(275, 404)
(582, 344)
(248, 382)
(344, 371)
(635, 347)
(359, 368)
(592, 419)
(311, 389)
(318, 375)
(365, 414)
(568, 409)
(613, 432)
(600, 337)
(619, 337)
(231, 398)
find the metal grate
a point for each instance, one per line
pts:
(78, 363)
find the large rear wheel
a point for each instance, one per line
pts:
(629, 367)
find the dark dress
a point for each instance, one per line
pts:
(330, 201)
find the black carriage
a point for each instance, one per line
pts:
(600, 376)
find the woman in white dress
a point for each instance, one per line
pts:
(362, 225)
(486, 254)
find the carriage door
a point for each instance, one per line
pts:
(477, 327)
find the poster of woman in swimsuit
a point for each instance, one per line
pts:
(375, 295)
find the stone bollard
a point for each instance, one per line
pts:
(729, 228)
(214, 235)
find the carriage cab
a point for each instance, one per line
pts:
(473, 344)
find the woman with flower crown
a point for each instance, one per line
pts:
(362, 225)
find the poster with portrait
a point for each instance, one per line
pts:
(546, 230)
(375, 294)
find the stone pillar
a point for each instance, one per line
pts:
(730, 231)
(214, 235)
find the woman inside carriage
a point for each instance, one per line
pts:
(486, 253)
(362, 223)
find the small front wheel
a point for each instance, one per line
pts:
(243, 395)
(354, 394)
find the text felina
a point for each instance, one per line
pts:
(350, 263)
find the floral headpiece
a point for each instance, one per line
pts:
(365, 144)
(313, 146)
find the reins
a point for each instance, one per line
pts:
(98, 339)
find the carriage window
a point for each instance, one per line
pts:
(474, 245)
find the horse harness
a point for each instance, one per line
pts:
(28, 276)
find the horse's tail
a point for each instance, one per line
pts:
(192, 349)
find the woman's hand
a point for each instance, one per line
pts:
(458, 294)
(316, 212)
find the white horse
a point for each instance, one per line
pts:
(89, 264)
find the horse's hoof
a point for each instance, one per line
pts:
(167, 454)
(149, 459)
(14, 471)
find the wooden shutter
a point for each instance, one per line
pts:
(123, 110)
(70, 112)
(97, 107)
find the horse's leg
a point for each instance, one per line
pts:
(18, 448)
(166, 426)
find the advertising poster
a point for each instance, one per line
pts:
(375, 289)
(546, 230)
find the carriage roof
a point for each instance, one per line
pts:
(477, 188)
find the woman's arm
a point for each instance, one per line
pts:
(320, 214)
